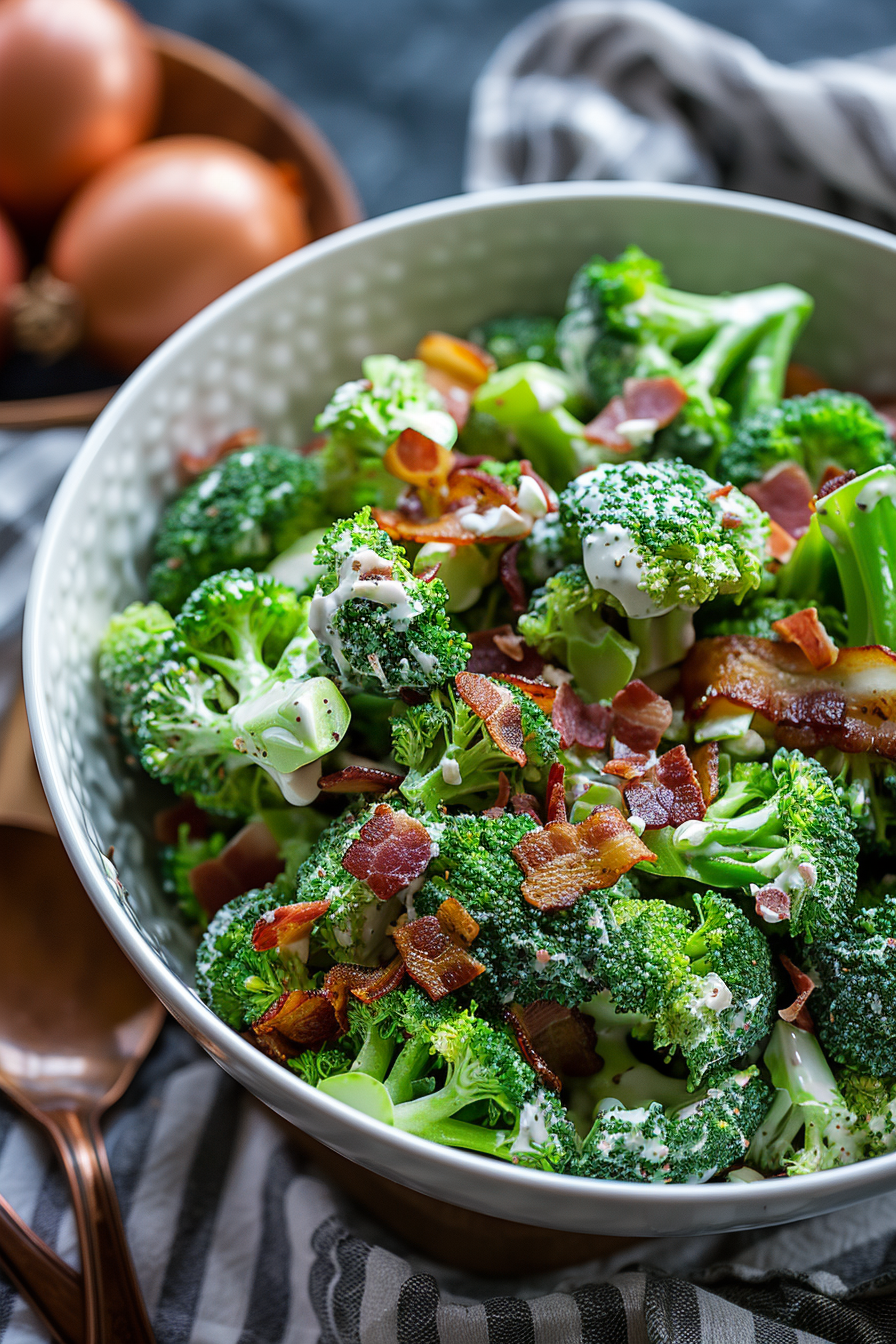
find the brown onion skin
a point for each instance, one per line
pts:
(166, 229)
(79, 85)
(12, 272)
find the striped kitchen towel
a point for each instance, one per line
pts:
(237, 1239)
(633, 89)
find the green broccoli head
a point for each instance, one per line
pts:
(133, 645)
(177, 861)
(779, 826)
(819, 430)
(511, 340)
(240, 513)
(380, 628)
(854, 1005)
(866, 787)
(364, 417)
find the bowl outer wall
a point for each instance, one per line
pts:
(270, 353)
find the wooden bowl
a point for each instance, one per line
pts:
(205, 92)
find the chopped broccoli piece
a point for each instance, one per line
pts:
(866, 787)
(451, 756)
(856, 997)
(133, 645)
(234, 692)
(239, 514)
(511, 340)
(379, 627)
(178, 861)
(817, 431)
(364, 417)
(564, 623)
(779, 825)
(858, 521)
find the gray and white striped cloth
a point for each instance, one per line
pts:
(633, 89)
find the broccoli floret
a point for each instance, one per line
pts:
(237, 982)
(775, 825)
(510, 340)
(756, 616)
(178, 861)
(380, 628)
(452, 757)
(858, 522)
(544, 552)
(364, 417)
(866, 787)
(133, 645)
(810, 1125)
(239, 514)
(819, 430)
(234, 692)
(564, 623)
(854, 1006)
(644, 1126)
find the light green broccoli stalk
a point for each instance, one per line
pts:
(858, 521)
(380, 629)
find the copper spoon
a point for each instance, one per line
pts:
(76, 1021)
(53, 1290)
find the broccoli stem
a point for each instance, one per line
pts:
(766, 369)
(419, 1115)
(797, 1064)
(411, 1062)
(859, 523)
(375, 1055)
(463, 1134)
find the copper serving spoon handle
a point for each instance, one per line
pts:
(53, 1290)
(76, 1021)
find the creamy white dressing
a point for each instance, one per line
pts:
(298, 787)
(530, 497)
(714, 994)
(533, 1132)
(451, 772)
(637, 432)
(548, 393)
(499, 521)
(613, 565)
(881, 486)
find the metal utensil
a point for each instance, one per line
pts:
(53, 1290)
(76, 1021)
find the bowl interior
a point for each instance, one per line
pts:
(270, 353)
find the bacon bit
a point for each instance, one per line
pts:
(498, 710)
(630, 767)
(668, 793)
(509, 574)
(390, 852)
(772, 904)
(433, 961)
(481, 487)
(363, 982)
(526, 469)
(512, 644)
(359, 779)
(273, 1044)
(463, 360)
(540, 692)
(166, 824)
(852, 707)
(785, 494)
(805, 630)
(798, 1013)
(287, 924)
(306, 1018)
(561, 862)
(525, 805)
(251, 859)
(419, 461)
(490, 655)
(719, 493)
(801, 379)
(579, 724)
(457, 397)
(832, 480)
(639, 719)
(514, 1018)
(731, 520)
(456, 923)
(194, 464)
(780, 544)
(564, 1037)
(705, 761)
(658, 399)
(447, 528)
(500, 804)
(555, 795)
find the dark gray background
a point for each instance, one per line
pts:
(388, 81)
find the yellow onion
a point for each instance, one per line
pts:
(79, 85)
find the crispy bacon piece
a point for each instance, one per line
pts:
(500, 804)
(480, 487)
(705, 760)
(785, 494)
(456, 922)
(250, 859)
(273, 1044)
(525, 805)
(731, 521)
(166, 823)
(362, 982)
(721, 492)
(832, 480)
(287, 924)
(491, 657)
(419, 461)
(540, 692)
(509, 575)
(797, 1012)
(639, 719)
(772, 904)
(658, 399)
(631, 766)
(800, 380)
(561, 862)
(805, 630)
(457, 396)
(668, 793)
(780, 544)
(514, 1018)
(555, 794)
(498, 710)
(447, 528)
(579, 724)
(306, 1018)
(851, 706)
(433, 960)
(194, 464)
(391, 851)
(359, 779)
(564, 1037)
(463, 360)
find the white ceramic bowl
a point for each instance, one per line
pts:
(270, 353)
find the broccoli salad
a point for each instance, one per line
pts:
(534, 732)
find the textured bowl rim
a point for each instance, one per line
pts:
(758, 1203)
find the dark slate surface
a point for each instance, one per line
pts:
(389, 80)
